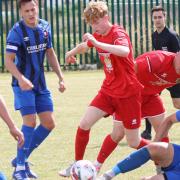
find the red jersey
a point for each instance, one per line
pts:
(120, 78)
(156, 71)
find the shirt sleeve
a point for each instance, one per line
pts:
(49, 43)
(120, 38)
(13, 42)
(175, 43)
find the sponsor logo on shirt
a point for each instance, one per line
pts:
(160, 81)
(164, 75)
(165, 48)
(134, 121)
(107, 61)
(26, 38)
(36, 48)
(45, 34)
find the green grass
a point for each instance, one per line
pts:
(58, 150)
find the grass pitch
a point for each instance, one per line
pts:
(58, 150)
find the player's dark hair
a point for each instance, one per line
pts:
(21, 2)
(158, 8)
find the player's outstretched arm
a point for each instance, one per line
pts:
(79, 49)
(131, 162)
(53, 61)
(165, 126)
(15, 132)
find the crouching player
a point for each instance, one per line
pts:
(166, 155)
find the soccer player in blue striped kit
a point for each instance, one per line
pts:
(27, 44)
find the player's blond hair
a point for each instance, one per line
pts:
(94, 11)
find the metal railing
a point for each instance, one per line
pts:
(67, 24)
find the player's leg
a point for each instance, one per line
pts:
(91, 116)
(156, 177)
(146, 134)
(25, 102)
(99, 107)
(44, 108)
(175, 95)
(153, 108)
(130, 113)
(110, 143)
(160, 152)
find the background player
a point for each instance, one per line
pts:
(167, 40)
(156, 70)
(27, 44)
(166, 155)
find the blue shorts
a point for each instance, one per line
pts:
(31, 101)
(178, 115)
(172, 172)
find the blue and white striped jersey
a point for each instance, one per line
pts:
(29, 45)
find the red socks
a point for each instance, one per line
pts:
(107, 148)
(143, 143)
(82, 139)
(165, 139)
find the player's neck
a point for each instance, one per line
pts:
(108, 29)
(31, 25)
(160, 29)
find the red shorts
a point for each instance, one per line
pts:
(127, 110)
(152, 105)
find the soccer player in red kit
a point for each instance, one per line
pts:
(120, 93)
(156, 70)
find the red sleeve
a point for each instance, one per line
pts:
(121, 38)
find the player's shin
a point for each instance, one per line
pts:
(39, 135)
(82, 139)
(21, 152)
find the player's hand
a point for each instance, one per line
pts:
(18, 135)
(89, 37)
(25, 84)
(62, 86)
(69, 58)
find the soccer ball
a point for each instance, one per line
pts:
(83, 170)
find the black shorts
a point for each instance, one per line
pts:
(175, 91)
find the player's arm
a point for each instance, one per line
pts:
(118, 50)
(174, 43)
(15, 132)
(165, 126)
(79, 49)
(24, 83)
(53, 61)
(177, 62)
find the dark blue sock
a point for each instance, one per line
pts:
(133, 161)
(39, 136)
(21, 152)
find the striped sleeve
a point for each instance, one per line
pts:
(13, 42)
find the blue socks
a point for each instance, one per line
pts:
(39, 135)
(21, 152)
(133, 161)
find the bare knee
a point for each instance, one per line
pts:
(176, 102)
(176, 105)
(117, 136)
(156, 149)
(133, 143)
(49, 125)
